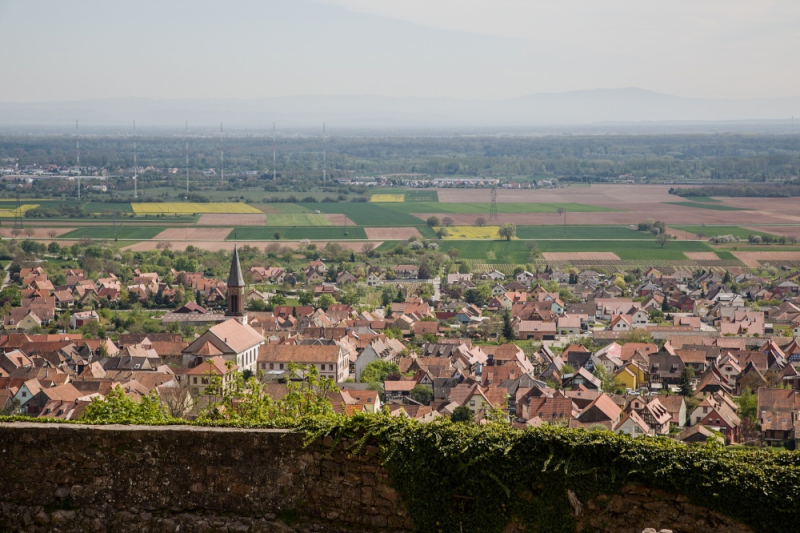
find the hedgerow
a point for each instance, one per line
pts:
(464, 477)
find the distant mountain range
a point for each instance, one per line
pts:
(366, 111)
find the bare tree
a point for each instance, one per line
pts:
(176, 397)
(164, 245)
(16, 232)
(447, 222)
(52, 233)
(663, 238)
(480, 222)
(30, 232)
(367, 248)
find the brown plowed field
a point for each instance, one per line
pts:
(392, 234)
(191, 234)
(38, 233)
(789, 231)
(702, 256)
(215, 246)
(218, 219)
(338, 219)
(580, 256)
(752, 259)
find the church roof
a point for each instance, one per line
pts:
(235, 278)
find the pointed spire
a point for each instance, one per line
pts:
(235, 278)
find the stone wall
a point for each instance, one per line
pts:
(66, 477)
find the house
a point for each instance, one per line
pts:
(632, 424)
(718, 412)
(383, 349)
(79, 319)
(21, 319)
(778, 415)
(676, 407)
(601, 412)
(397, 390)
(201, 375)
(406, 271)
(231, 340)
(332, 360)
(535, 329)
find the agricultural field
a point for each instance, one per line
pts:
(387, 198)
(218, 219)
(298, 219)
(707, 205)
(714, 231)
(581, 232)
(108, 207)
(392, 234)
(472, 232)
(14, 212)
(424, 195)
(371, 214)
(480, 207)
(107, 232)
(284, 207)
(300, 233)
(628, 250)
(184, 208)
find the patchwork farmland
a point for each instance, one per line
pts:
(598, 219)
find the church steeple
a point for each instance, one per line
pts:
(236, 290)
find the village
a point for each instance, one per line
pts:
(699, 356)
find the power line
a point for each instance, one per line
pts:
(324, 156)
(187, 159)
(274, 154)
(493, 204)
(135, 168)
(221, 154)
(78, 150)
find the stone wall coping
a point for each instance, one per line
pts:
(133, 427)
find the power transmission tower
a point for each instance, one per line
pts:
(221, 154)
(115, 226)
(324, 156)
(135, 168)
(187, 159)
(493, 204)
(18, 224)
(274, 154)
(78, 157)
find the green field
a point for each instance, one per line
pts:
(422, 196)
(725, 256)
(479, 207)
(516, 252)
(629, 250)
(580, 232)
(251, 233)
(107, 232)
(427, 232)
(701, 205)
(371, 214)
(297, 219)
(285, 207)
(713, 231)
(701, 199)
(108, 207)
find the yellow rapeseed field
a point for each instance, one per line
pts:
(387, 198)
(10, 213)
(472, 232)
(185, 208)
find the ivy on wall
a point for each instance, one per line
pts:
(478, 478)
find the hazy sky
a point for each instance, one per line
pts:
(488, 49)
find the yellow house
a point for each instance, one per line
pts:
(638, 370)
(627, 377)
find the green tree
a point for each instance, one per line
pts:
(432, 221)
(507, 231)
(463, 415)
(117, 408)
(278, 299)
(663, 238)
(377, 371)
(423, 394)
(686, 381)
(306, 298)
(325, 301)
(748, 405)
(636, 335)
(508, 327)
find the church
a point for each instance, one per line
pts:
(233, 340)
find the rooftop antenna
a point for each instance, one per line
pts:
(78, 150)
(324, 156)
(274, 153)
(221, 154)
(187, 159)
(135, 168)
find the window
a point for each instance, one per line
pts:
(281, 366)
(271, 366)
(195, 381)
(24, 394)
(330, 367)
(472, 402)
